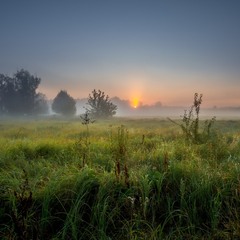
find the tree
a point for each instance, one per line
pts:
(64, 104)
(26, 85)
(41, 104)
(3, 80)
(18, 93)
(100, 105)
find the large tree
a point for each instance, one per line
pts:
(26, 85)
(64, 104)
(18, 93)
(100, 105)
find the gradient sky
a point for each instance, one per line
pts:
(152, 50)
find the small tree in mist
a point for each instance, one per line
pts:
(64, 104)
(100, 105)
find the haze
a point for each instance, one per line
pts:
(153, 51)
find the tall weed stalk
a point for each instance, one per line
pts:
(83, 144)
(190, 123)
(119, 148)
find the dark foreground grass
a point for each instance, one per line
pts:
(142, 180)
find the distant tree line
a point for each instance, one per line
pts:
(18, 96)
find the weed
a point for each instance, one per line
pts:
(126, 176)
(86, 119)
(22, 204)
(119, 149)
(165, 162)
(83, 145)
(190, 122)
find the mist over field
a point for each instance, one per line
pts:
(20, 96)
(124, 109)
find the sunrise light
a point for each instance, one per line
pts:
(135, 102)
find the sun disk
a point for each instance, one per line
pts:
(135, 102)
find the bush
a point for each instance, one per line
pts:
(64, 104)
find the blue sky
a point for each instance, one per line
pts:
(152, 50)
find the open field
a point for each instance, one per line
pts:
(118, 179)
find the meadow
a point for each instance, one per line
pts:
(118, 179)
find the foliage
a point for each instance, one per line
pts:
(18, 94)
(100, 105)
(190, 123)
(64, 104)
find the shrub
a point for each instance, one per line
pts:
(64, 104)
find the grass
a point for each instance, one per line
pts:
(140, 179)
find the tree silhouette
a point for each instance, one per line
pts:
(26, 85)
(18, 93)
(64, 104)
(100, 105)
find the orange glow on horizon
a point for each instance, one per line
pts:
(135, 102)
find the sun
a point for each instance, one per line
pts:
(135, 102)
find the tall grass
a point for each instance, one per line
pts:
(144, 181)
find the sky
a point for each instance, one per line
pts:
(138, 50)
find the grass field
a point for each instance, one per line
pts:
(118, 179)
